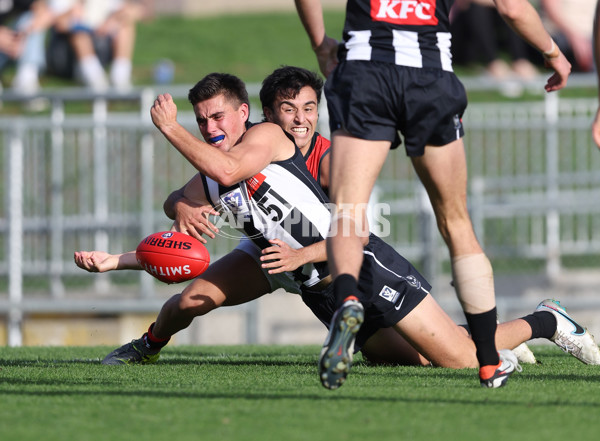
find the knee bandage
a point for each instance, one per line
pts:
(474, 282)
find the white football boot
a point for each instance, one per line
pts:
(570, 336)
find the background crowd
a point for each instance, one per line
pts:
(88, 41)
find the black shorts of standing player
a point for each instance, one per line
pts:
(373, 100)
(394, 288)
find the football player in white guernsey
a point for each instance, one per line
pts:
(393, 72)
(253, 160)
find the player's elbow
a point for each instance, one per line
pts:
(228, 175)
(226, 179)
(169, 210)
(169, 204)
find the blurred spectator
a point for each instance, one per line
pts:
(23, 25)
(480, 36)
(91, 34)
(570, 22)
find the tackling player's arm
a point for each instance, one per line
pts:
(281, 257)
(169, 204)
(191, 214)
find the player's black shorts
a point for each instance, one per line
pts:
(374, 100)
(387, 279)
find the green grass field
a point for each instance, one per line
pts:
(268, 393)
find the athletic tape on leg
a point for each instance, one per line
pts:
(474, 282)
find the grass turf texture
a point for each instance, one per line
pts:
(273, 393)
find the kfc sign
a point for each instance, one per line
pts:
(404, 12)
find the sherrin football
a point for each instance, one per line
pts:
(172, 257)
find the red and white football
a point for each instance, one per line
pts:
(172, 257)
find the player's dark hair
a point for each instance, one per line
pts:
(286, 82)
(215, 84)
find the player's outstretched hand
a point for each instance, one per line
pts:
(281, 257)
(193, 219)
(96, 261)
(164, 111)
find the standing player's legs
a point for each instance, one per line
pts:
(355, 165)
(443, 171)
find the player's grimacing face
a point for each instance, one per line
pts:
(298, 116)
(221, 122)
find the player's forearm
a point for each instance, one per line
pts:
(127, 261)
(317, 252)
(311, 16)
(522, 17)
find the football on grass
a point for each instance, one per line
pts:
(172, 257)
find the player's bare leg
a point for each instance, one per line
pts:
(214, 288)
(355, 165)
(429, 329)
(387, 346)
(434, 335)
(443, 171)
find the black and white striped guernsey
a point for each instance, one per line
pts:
(284, 202)
(413, 33)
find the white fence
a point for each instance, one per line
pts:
(73, 181)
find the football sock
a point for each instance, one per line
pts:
(543, 324)
(153, 342)
(483, 332)
(344, 285)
